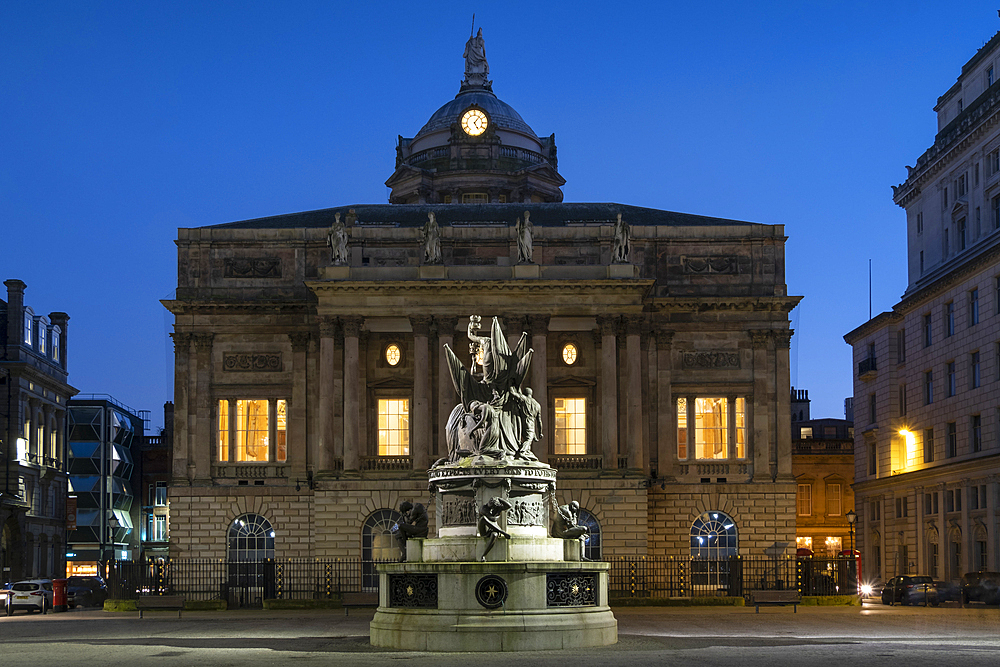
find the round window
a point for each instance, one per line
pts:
(569, 354)
(393, 354)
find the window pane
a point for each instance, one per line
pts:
(741, 428)
(394, 427)
(223, 430)
(570, 426)
(251, 430)
(833, 500)
(282, 421)
(711, 428)
(805, 499)
(682, 428)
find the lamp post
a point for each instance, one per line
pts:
(851, 518)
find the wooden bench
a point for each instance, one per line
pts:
(358, 600)
(757, 598)
(160, 602)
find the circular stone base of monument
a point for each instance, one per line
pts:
(493, 606)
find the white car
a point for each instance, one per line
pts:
(31, 595)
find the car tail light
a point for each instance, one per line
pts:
(37, 593)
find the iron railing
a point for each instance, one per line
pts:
(248, 583)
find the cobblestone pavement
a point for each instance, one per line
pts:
(874, 634)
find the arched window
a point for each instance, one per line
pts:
(713, 542)
(713, 536)
(377, 544)
(251, 538)
(592, 550)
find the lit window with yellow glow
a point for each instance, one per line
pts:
(804, 543)
(281, 428)
(570, 426)
(741, 428)
(394, 427)
(682, 428)
(393, 354)
(569, 354)
(223, 430)
(711, 428)
(251, 430)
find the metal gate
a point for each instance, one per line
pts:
(249, 583)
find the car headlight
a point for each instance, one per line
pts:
(866, 589)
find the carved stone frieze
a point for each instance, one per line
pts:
(252, 362)
(693, 359)
(252, 267)
(526, 513)
(717, 264)
(459, 511)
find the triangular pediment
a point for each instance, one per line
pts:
(572, 381)
(392, 383)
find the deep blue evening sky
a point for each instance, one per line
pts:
(122, 121)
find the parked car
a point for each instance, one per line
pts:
(85, 591)
(5, 595)
(910, 589)
(31, 595)
(981, 587)
(949, 591)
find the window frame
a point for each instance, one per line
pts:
(556, 429)
(408, 430)
(803, 499)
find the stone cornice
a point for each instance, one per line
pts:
(783, 304)
(978, 467)
(616, 286)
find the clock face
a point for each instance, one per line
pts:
(474, 122)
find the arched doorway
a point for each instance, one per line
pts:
(377, 545)
(714, 540)
(250, 551)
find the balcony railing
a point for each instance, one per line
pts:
(386, 463)
(568, 462)
(867, 368)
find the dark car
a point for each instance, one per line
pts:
(981, 587)
(910, 589)
(85, 591)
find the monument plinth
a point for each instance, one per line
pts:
(493, 579)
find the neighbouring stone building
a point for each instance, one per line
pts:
(311, 392)
(927, 373)
(34, 390)
(823, 465)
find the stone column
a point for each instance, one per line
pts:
(446, 397)
(922, 555)
(968, 538)
(944, 539)
(633, 406)
(608, 326)
(352, 431)
(783, 390)
(992, 532)
(514, 325)
(182, 353)
(296, 431)
(421, 413)
(762, 454)
(666, 417)
(539, 326)
(321, 451)
(47, 450)
(202, 445)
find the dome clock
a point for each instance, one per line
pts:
(474, 122)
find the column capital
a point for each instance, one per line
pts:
(783, 339)
(608, 325)
(513, 324)
(538, 324)
(203, 342)
(299, 340)
(182, 341)
(759, 338)
(445, 325)
(352, 326)
(632, 324)
(421, 324)
(327, 326)
(664, 339)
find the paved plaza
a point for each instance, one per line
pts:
(874, 634)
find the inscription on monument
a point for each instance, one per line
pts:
(250, 362)
(252, 267)
(713, 264)
(710, 359)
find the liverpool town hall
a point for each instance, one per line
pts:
(312, 388)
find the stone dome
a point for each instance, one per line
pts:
(500, 113)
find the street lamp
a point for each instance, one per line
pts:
(851, 518)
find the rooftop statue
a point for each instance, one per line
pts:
(494, 418)
(621, 245)
(431, 235)
(477, 70)
(524, 241)
(336, 238)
